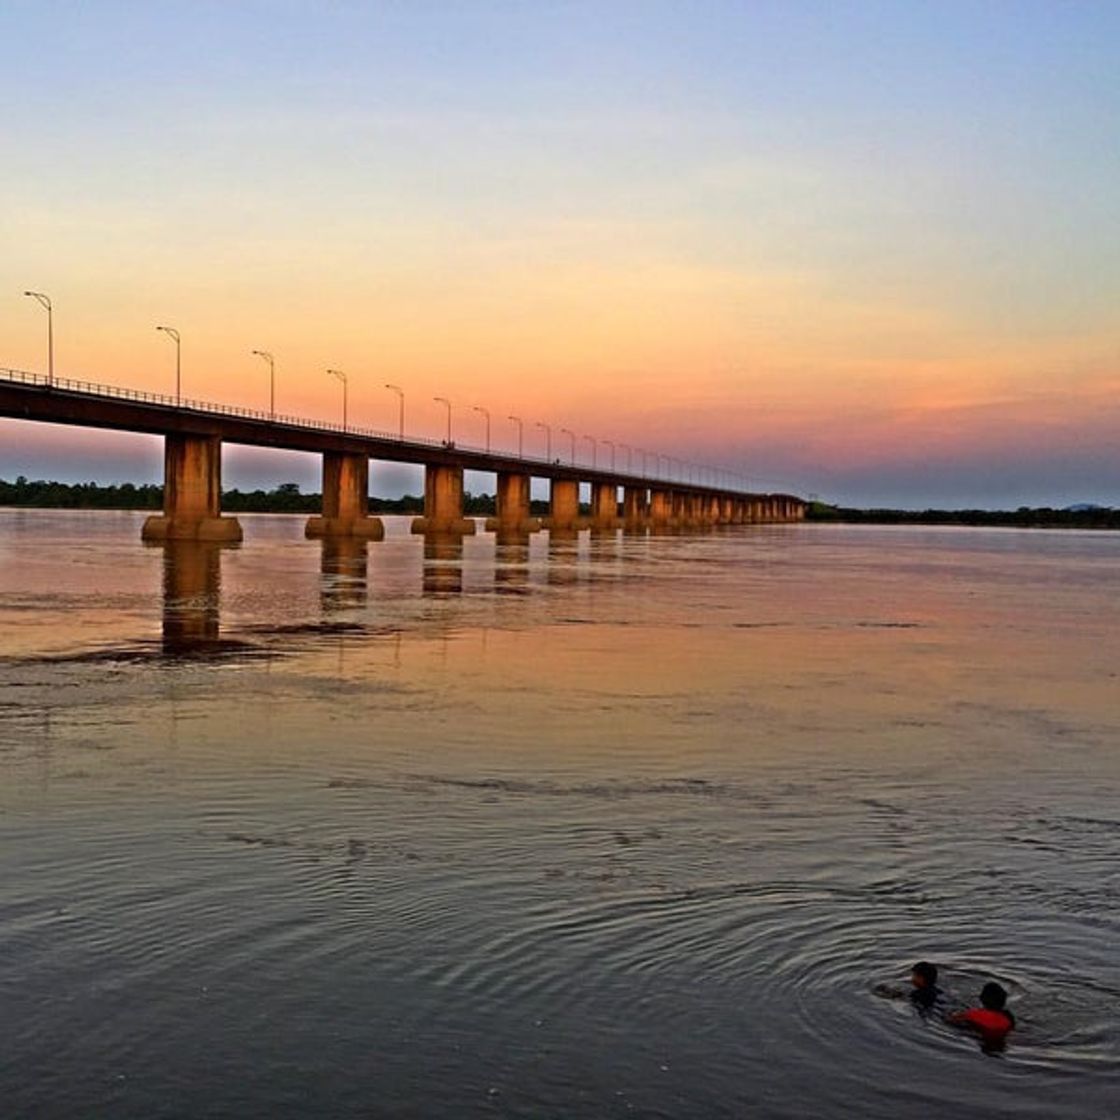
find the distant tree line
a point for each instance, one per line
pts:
(286, 498)
(80, 495)
(1043, 517)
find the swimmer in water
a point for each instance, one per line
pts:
(991, 1019)
(924, 992)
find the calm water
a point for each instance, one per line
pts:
(599, 827)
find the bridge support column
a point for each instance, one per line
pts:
(345, 500)
(513, 513)
(564, 504)
(192, 493)
(660, 507)
(604, 505)
(443, 503)
(635, 506)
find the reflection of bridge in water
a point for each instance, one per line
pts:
(192, 577)
(194, 433)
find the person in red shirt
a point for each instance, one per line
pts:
(992, 1019)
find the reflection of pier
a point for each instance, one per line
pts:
(443, 564)
(192, 573)
(511, 562)
(192, 583)
(563, 556)
(343, 565)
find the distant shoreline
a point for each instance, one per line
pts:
(287, 498)
(1026, 517)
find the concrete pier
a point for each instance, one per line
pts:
(604, 505)
(443, 503)
(563, 504)
(192, 493)
(513, 513)
(345, 500)
(660, 508)
(635, 507)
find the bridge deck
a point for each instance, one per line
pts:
(28, 396)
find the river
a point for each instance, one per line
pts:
(603, 826)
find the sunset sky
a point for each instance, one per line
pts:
(869, 251)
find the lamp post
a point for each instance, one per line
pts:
(445, 401)
(629, 457)
(485, 412)
(45, 301)
(271, 381)
(520, 435)
(642, 451)
(610, 444)
(594, 446)
(174, 334)
(547, 440)
(400, 409)
(341, 377)
(572, 436)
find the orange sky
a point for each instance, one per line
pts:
(827, 271)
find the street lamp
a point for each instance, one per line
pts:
(594, 456)
(548, 441)
(610, 444)
(572, 436)
(445, 401)
(174, 334)
(629, 457)
(485, 412)
(45, 301)
(520, 435)
(271, 381)
(341, 377)
(400, 410)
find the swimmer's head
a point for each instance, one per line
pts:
(993, 996)
(923, 975)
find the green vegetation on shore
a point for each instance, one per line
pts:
(287, 498)
(1025, 517)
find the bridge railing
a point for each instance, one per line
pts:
(209, 408)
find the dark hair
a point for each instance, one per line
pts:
(993, 996)
(927, 971)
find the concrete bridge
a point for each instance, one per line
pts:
(194, 433)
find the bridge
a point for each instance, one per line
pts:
(194, 432)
